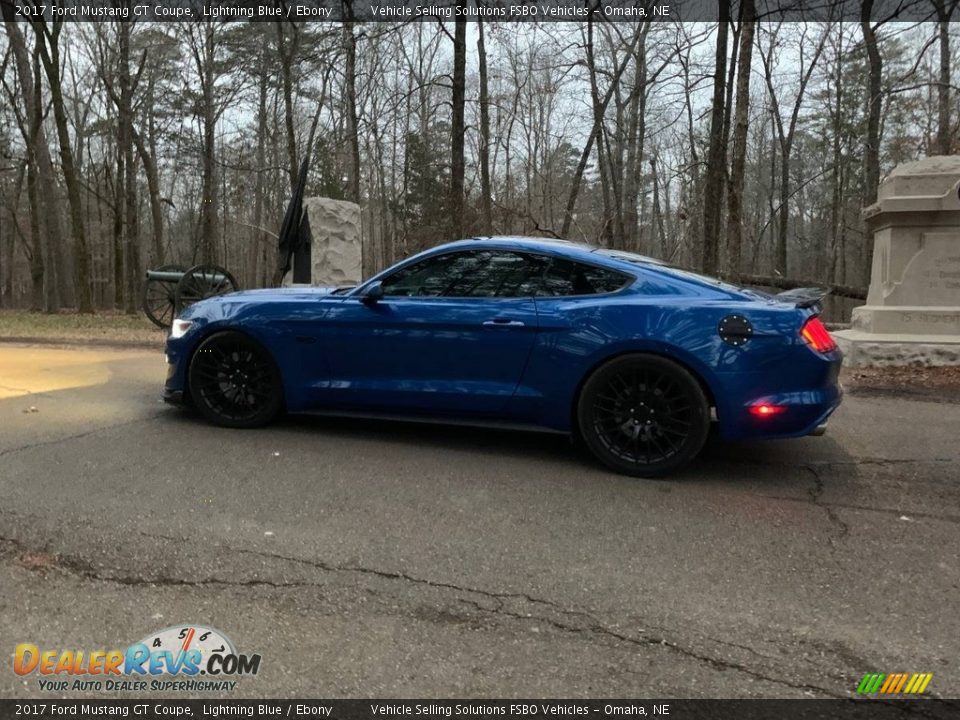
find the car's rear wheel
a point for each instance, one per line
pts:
(643, 415)
(234, 381)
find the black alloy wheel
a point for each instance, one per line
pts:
(234, 381)
(643, 415)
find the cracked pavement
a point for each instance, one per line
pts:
(365, 559)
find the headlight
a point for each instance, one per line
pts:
(180, 328)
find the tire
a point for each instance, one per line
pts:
(643, 415)
(234, 381)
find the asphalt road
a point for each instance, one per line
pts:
(376, 559)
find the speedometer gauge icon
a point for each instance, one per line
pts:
(183, 638)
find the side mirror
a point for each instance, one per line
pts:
(373, 293)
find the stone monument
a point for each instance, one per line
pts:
(332, 251)
(912, 315)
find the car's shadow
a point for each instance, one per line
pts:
(475, 439)
(719, 462)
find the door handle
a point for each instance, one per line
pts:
(503, 322)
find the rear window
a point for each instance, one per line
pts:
(565, 277)
(682, 272)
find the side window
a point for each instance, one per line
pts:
(434, 276)
(477, 273)
(565, 277)
(505, 274)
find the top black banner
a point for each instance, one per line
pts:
(473, 10)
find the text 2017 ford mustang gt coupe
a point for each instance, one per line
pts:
(633, 357)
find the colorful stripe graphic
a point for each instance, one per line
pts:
(894, 683)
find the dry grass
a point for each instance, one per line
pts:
(101, 327)
(940, 384)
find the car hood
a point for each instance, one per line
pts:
(283, 293)
(221, 306)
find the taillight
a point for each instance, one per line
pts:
(817, 336)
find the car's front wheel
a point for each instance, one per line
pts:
(234, 381)
(643, 415)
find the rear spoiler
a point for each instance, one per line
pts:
(809, 297)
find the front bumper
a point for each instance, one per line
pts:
(174, 388)
(174, 397)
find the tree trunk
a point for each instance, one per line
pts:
(119, 287)
(636, 133)
(871, 155)
(782, 283)
(871, 141)
(457, 127)
(944, 131)
(48, 41)
(486, 201)
(599, 109)
(837, 223)
(209, 197)
(37, 296)
(153, 188)
(287, 48)
(260, 238)
(147, 153)
(657, 212)
(47, 241)
(353, 122)
(131, 224)
(738, 162)
(716, 156)
(8, 244)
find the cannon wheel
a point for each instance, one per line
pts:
(159, 298)
(201, 282)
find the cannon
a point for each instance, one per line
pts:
(171, 288)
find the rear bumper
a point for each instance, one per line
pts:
(801, 411)
(804, 414)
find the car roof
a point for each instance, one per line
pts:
(621, 260)
(558, 246)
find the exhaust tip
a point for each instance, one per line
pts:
(819, 430)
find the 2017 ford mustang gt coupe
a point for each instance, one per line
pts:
(634, 358)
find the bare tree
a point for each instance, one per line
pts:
(46, 239)
(457, 126)
(485, 192)
(786, 127)
(739, 160)
(350, 92)
(716, 155)
(944, 9)
(48, 42)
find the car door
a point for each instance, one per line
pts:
(451, 334)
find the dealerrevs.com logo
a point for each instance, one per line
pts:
(187, 658)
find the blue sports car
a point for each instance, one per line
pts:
(636, 359)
